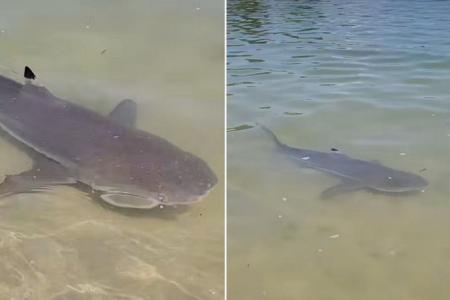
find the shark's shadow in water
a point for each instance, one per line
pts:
(355, 174)
(71, 145)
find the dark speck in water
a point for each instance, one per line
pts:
(293, 113)
(253, 60)
(240, 127)
(264, 107)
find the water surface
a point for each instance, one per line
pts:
(168, 57)
(370, 78)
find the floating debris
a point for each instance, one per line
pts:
(320, 250)
(103, 51)
(422, 170)
(305, 157)
(280, 216)
(212, 292)
(334, 149)
(334, 236)
(284, 199)
(402, 153)
(264, 107)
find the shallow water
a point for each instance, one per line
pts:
(370, 78)
(168, 57)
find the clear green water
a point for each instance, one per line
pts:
(168, 57)
(370, 78)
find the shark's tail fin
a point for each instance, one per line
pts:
(272, 135)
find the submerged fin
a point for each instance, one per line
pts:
(44, 174)
(341, 188)
(125, 113)
(272, 135)
(32, 89)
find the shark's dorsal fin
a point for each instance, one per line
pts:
(125, 113)
(30, 88)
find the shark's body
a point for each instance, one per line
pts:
(356, 174)
(71, 144)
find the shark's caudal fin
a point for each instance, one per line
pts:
(125, 113)
(272, 135)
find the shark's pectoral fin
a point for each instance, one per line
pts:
(44, 174)
(341, 188)
(125, 113)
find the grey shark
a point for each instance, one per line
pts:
(356, 174)
(71, 145)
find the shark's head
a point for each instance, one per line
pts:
(401, 182)
(186, 180)
(182, 181)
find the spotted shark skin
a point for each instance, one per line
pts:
(72, 145)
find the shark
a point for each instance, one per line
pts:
(355, 174)
(71, 145)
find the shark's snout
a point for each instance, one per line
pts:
(204, 185)
(187, 180)
(403, 182)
